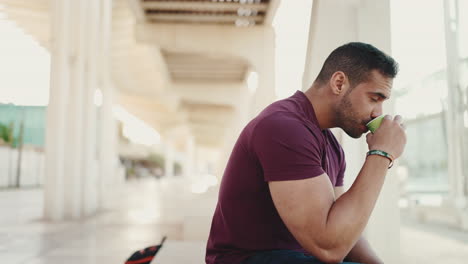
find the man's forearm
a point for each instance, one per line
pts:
(349, 215)
(363, 253)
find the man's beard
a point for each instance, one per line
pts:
(347, 119)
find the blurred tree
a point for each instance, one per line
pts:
(156, 160)
(6, 134)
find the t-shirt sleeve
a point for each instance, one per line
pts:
(287, 149)
(340, 176)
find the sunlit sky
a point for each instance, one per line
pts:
(417, 44)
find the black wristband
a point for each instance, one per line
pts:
(383, 154)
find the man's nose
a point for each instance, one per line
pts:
(377, 112)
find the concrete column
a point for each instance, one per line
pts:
(74, 149)
(334, 23)
(169, 158)
(454, 107)
(91, 51)
(58, 101)
(189, 162)
(327, 32)
(71, 187)
(264, 65)
(199, 162)
(110, 182)
(384, 226)
(243, 114)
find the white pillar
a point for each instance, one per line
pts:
(334, 23)
(90, 42)
(243, 115)
(384, 226)
(454, 111)
(199, 162)
(264, 65)
(56, 121)
(188, 169)
(71, 181)
(74, 174)
(169, 158)
(110, 182)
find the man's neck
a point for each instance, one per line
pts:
(322, 107)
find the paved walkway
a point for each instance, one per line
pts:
(430, 243)
(109, 237)
(142, 218)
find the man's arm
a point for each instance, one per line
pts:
(362, 251)
(329, 228)
(326, 228)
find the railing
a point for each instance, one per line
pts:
(25, 170)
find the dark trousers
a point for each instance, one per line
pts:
(284, 257)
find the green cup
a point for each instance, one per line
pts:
(375, 123)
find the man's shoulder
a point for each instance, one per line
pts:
(284, 112)
(285, 126)
(279, 120)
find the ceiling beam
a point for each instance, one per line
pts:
(213, 18)
(203, 6)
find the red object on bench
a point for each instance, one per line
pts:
(145, 256)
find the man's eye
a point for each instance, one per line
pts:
(374, 99)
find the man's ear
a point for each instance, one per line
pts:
(338, 83)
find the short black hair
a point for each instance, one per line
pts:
(357, 60)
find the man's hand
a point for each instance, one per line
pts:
(389, 137)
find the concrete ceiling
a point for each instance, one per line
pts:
(192, 67)
(208, 121)
(146, 76)
(208, 75)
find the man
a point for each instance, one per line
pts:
(281, 199)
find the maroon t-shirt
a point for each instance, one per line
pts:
(284, 142)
